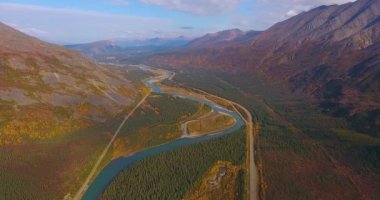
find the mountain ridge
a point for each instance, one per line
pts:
(316, 53)
(222, 38)
(45, 86)
(106, 48)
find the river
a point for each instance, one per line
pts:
(106, 176)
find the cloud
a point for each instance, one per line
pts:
(186, 27)
(292, 13)
(197, 7)
(78, 26)
(119, 2)
(69, 25)
(28, 29)
(304, 2)
(297, 6)
(34, 31)
(278, 10)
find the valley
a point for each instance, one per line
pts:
(190, 100)
(122, 164)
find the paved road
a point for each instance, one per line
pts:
(253, 171)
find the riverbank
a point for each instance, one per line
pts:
(111, 171)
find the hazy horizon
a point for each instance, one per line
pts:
(69, 22)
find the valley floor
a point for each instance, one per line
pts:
(129, 143)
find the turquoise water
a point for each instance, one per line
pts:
(116, 166)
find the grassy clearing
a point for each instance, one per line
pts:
(135, 74)
(210, 125)
(203, 110)
(172, 174)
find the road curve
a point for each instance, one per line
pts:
(184, 126)
(252, 168)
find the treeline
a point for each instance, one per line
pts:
(216, 123)
(136, 75)
(160, 109)
(156, 122)
(171, 174)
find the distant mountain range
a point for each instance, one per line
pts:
(96, 48)
(330, 53)
(47, 90)
(123, 46)
(223, 38)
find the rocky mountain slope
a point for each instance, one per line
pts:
(47, 90)
(223, 38)
(330, 53)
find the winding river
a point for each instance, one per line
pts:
(105, 177)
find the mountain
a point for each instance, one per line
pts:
(153, 42)
(122, 47)
(222, 38)
(96, 48)
(330, 53)
(47, 90)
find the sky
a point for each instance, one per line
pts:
(82, 21)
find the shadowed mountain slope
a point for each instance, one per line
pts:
(330, 53)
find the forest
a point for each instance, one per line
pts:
(170, 175)
(157, 121)
(296, 139)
